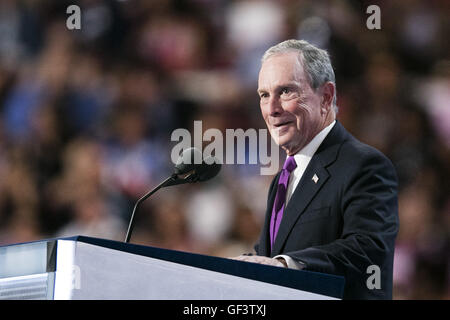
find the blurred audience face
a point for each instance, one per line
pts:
(293, 111)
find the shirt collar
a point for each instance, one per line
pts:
(310, 149)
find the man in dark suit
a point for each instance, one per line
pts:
(333, 208)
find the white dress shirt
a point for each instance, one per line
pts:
(302, 159)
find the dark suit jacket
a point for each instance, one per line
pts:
(345, 222)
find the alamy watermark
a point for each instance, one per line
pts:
(74, 20)
(374, 20)
(231, 149)
(72, 277)
(374, 280)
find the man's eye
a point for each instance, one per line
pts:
(263, 95)
(285, 91)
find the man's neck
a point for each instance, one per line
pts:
(331, 117)
(306, 148)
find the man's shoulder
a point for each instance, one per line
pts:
(356, 157)
(356, 150)
(357, 160)
(348, 147)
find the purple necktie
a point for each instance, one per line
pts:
(280, 198)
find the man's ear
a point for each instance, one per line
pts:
(327, 92)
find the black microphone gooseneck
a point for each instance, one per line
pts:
(172, 178)
(184, 173)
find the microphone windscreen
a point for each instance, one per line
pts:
(209, 169)
(188, 161)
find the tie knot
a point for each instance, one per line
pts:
(290, 164)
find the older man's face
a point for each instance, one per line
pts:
(290, 107)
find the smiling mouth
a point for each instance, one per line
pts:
(281, 124)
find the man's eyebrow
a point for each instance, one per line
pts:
(259, 91)
(293, 84)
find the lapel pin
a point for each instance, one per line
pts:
(315, 178)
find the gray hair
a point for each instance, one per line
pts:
(316, 62)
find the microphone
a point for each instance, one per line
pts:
(187, 170)
(208, 169)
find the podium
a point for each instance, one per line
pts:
(88, 268)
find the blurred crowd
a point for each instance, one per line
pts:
(86, 117)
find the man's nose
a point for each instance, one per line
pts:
(275, 107)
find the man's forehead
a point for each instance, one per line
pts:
(281, 68)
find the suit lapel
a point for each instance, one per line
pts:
(303, 194)
(313, 179)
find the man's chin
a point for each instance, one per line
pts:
(282, 139)
(286, 144)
